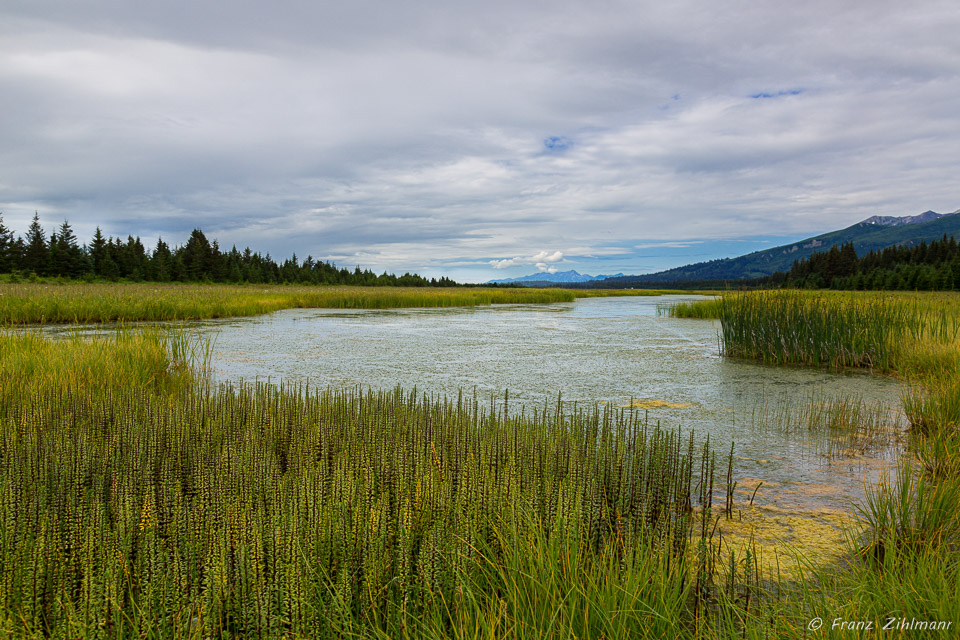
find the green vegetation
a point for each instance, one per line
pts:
(62, 303)
(96, 303)
(864, 237)
(905, 561)
(909, 334)
(706, 309)
(838, 425)
(916, 267)
(136, 502)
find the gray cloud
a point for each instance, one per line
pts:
(446, 139)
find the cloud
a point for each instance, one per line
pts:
(434, 138)
(777, 94)
(540, 260)
(668, 245)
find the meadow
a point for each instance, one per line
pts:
(84, 303)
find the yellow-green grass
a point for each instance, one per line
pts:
(706, 309)
(130, 511)
(911, 334)
(904, 559)
(36, 303)
(144, 359)
(136, 502)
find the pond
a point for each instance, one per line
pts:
(592, 352)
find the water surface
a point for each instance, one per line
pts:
(592, 351)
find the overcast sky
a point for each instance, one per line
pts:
(478, 140)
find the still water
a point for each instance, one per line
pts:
(593, 352)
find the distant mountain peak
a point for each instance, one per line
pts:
(894, 221)
(559, 276)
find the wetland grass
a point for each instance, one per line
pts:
(838, 425)
(904, 556)
(706, 309)
(144, 504)
(82, 303)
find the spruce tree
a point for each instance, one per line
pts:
(36, 253)
(70, 258)
(7, 249)
(98, 252)
(160, 262)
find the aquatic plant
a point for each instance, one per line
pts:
(137, 504)
(706, 309)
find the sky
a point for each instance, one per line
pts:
(478, 140)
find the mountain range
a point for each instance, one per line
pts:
(871, 234)
(536, 279)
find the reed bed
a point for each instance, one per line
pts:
(147, 505)
(792, 328)
(837, 425)
(100, 303)
(706, 309)
(912, 334)
(160, 360)
(904, 557)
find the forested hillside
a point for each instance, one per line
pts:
(933, 266)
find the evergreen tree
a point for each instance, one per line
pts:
(160, 263)
(69, 260)
(198, 257)
(8, 261)
(98, 252)
(19, 250)
(36, 254)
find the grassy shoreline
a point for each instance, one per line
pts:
(82, 303)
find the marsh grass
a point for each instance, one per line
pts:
(794, 328)
(904, 559)
(100, 303)
(164, 360)
(135, 502)
(838, 425)
(80, 303)
(706, 309)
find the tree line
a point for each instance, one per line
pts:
(933, 266)
(61, 255)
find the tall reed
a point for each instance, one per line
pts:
(786, 327)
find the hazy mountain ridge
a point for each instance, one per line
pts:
(893, 221)
(553, 278)
(871, 234)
